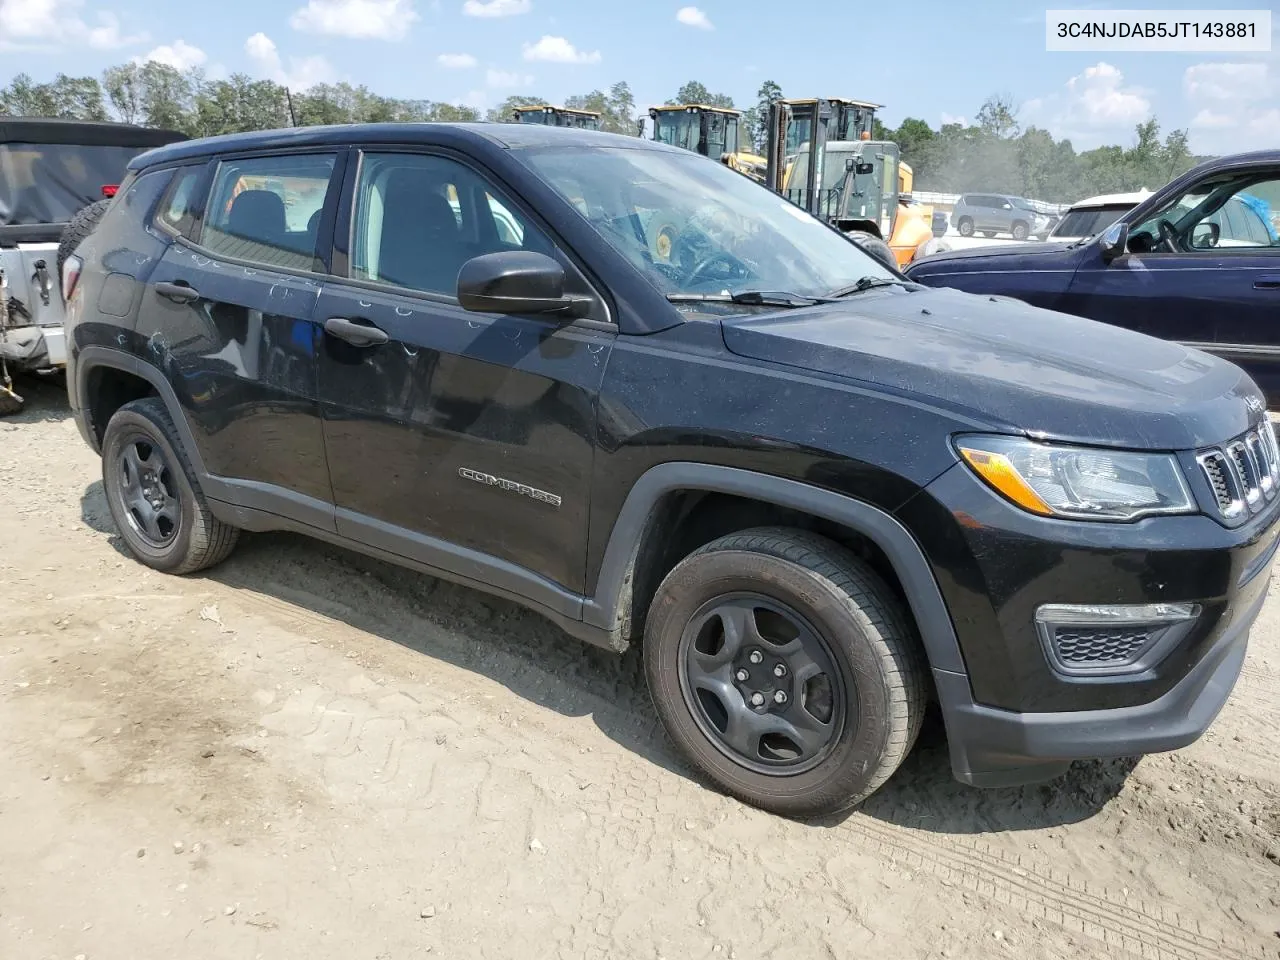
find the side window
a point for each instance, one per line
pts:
(267, 209)
(178, 208)
(418, 219)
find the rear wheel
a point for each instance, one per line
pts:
(75, 232)
(786, 670)
(154, 495)
(1019, 231)
(965, 226)
(875, 246)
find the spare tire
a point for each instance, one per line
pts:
(81, 225)
(874, 246)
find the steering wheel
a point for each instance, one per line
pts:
(1168, 237)
(699, 273)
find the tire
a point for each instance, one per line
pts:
(965, 226)
(1019, 231)
(874, 246)
(193, 538)
(75, 232)
(875, 681)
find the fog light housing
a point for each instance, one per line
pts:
(1092, 640)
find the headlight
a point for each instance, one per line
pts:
(1078, 483)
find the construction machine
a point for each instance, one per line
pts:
(714, 132)
(550, 116)
(821, 157)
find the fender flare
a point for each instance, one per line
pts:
(91, 357)
(609, 608)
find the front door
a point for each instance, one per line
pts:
(228, 318)
(1203, 269)
(458, 439)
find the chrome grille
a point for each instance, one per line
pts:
(1244, 473)
(1090, 646)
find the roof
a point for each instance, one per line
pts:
(501, 135)
(83, 133)
(547, 106)
(1112, 200)
(848, 100)
(668, 107)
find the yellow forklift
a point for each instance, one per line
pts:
(821, 157)
(550, 116)
(714, 132)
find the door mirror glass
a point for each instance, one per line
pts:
(1115, 241)
(516, 281)
(1206, 235)
(863, 168)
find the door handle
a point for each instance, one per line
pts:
(356, 334)
(178, 291)
(1267, 283)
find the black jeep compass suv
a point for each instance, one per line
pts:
(657, 403)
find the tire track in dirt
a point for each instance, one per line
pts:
(1121, 923)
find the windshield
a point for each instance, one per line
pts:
(50, 182)
(677, 128)
(1087, 221)
(694, 227)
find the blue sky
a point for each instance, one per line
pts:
(938, 60)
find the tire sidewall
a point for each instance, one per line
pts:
(965, 226)
(1019, 228)
(128, 424)
(827, 609)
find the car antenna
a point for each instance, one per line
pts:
(288, 99)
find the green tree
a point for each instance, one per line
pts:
(695, 92)
(998, 117)
(68, 98)
(756, 119)
(504, 111)
(123, 87)
(169, 98)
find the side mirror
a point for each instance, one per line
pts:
(516, 281)
(1115, 241)
(1206, 236)
(862, 168)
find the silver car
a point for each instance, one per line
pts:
(993, 213)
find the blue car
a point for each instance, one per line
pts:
(1197, 262)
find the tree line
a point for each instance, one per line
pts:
(995, 153)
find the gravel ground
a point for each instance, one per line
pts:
(306, 754)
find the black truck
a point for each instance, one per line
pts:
(658, 404)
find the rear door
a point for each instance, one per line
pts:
(228, 317)
(461, 440)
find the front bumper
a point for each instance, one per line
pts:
(998, 748)
(1011, 716)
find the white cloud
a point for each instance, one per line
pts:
(558, 50)
(1096, 107)
(42, 24)
(456, 61)
(506, 79)
(302, 72)
(693, 17)
(1227, 82)
(356, 19)
(180, 55)
(1228, 117)
(496, 8)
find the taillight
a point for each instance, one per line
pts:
(109, 189)
(70, 276)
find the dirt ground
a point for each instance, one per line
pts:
(306, 754)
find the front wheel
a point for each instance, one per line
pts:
(965, 226)
(786, 670)
(876, 247)
(1019, 231)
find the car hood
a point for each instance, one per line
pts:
(1007, 366)
(996, 252)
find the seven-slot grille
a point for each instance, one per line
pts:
(1245, 473)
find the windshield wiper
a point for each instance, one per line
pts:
(869, 283)
(751, 298)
